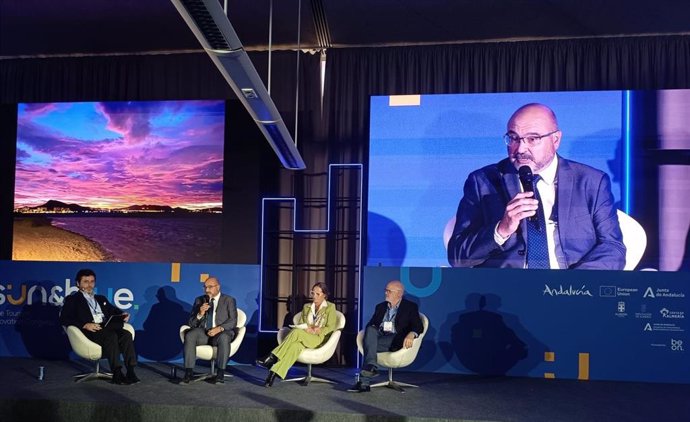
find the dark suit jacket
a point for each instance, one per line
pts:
(406, 320)
(226, 313)
(76, 311)
(588, 227)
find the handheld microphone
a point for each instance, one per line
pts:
(527, 181)
(206, 299)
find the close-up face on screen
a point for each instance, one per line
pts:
(559, 180)
(119, 181)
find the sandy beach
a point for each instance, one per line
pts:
(36, 240)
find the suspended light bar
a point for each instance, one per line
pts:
(211, 26)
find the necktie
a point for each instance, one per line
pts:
(209, 316)
(537, 248)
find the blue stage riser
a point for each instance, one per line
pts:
(599, 325)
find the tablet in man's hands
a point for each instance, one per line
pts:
(120, 317)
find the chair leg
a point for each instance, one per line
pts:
(96, 374)
(397, 386)
(309, 378)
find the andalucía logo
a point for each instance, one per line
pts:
(570, 291)
(660, 292)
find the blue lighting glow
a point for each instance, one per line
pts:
(626, 151)
(293, 201)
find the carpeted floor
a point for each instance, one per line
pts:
(243, 398)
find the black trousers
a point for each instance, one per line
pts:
(115, 341)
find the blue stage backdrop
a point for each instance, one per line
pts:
(158, 296)
(599, 325)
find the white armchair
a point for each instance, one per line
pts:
(319, 355)
(398, 359)
(208, 352)
(87, 349)
(634, 239)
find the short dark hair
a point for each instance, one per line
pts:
(84, 272)
(324, 288)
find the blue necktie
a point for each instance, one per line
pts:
(209, 316)
(537, 248)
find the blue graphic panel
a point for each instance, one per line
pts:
(31, 294)
(627, 326)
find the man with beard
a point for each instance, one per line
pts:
(102, 323)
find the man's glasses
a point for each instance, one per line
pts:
(532, 139)
(391, 291)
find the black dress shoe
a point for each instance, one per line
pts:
(119, 377)
(220, 377)
(188, 374)
(131, 377)
(359, 388)
(269, 379)
(268, 361)
(369, 371)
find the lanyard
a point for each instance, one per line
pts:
(95, 308)
(391, 312)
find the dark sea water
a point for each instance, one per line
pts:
(192, 238)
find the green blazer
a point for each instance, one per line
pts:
(326, 312)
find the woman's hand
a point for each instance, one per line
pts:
(313, 330)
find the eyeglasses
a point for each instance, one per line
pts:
(390, 291)
(315, 293)
(531, 139)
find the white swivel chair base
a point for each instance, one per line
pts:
(202, 377)
(395, 385)
(305, 380)
(210, 375)
(96, 374)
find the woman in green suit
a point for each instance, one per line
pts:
(317, 322)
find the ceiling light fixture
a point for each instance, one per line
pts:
(212, 28)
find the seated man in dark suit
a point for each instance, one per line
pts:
(213, 321)
(536, 209)
(92, 314)
(395, 323)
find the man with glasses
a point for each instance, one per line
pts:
(213, 321)
(395, 323)
(565, 218)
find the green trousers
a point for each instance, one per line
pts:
(288, 351)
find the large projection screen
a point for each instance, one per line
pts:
(423, 147)
(119, 181)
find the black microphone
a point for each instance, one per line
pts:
(206, 299)
(527, 181)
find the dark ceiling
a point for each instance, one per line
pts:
(43, 27)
